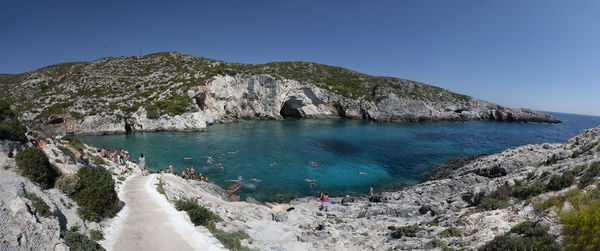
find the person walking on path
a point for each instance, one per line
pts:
(142, 164)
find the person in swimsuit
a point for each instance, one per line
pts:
(312, 182)
(239, 179)
(142, 164)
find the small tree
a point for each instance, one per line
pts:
(97, 197)
(34, 165)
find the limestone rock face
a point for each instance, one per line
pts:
(262, 96)
(22, 227)
(97, 125)
(109, 95)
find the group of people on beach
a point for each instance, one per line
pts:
(119, 156)
(188, 173)
(32, 140)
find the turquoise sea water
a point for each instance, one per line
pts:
(279, 153)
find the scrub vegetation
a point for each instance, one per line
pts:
(201, 216)
(160, 81)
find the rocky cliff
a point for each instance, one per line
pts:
(172, 91)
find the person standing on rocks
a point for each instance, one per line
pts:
(142, 164)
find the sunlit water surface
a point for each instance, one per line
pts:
(280, 153)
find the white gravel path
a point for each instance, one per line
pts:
(149, 222)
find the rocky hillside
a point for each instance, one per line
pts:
(172, 91)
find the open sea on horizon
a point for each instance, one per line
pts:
(279, 153)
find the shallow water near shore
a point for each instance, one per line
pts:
(280, 153)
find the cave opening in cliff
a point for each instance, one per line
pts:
(128, 128)
(290, 109)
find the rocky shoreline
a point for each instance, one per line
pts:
(446, 203)
(228, 98)
(443, 212)
(176, 92)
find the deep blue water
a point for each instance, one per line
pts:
(390, 153)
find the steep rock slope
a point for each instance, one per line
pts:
(172, 91)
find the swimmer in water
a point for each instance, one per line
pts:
(312, 182)
(187, 158)
(239, 179)
(315, 164)
(273, 163)
(362, 173)
(254, 179)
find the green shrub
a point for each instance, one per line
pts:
(77, 241)
(39, 204)
(152, 112)
(408, 231)
(545, 174)
(590, 175)
(67, 152)
(10, 128)
(68, 184)
(96, 235)
(435, 243)
(76, 143)
(524, 236)
(160, 188)
(174, 104)
(76, 115)
(199, 215)
(498, 199)
(582, 227)
(558, 182)
(231, 241)
(450, 232)
(97, 197)
(523, 191)
(34, 165)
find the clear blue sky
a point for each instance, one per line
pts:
(539, 54)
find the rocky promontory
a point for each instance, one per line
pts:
(176, 92)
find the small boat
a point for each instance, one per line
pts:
(233, 189)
